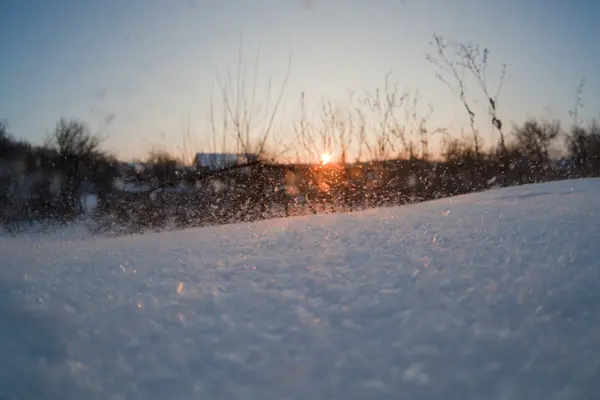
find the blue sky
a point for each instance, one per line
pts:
(140, 71)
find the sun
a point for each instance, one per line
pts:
(326, 158)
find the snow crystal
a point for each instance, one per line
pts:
(491, 295)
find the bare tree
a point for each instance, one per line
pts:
(574, 112)
(413, 132)
(5, 140)
(396, 125)
(3, 130)
(535, 138)
(374, 120)
(460, 152)
(306, 145)
(380, 125)
(583, 144)
(454, 61)
(334, 133)
(251, 125)
(72, 138)
(78, 151)
(345, 126)
(382, 106)
(163, 165)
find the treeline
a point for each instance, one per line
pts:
(49, 184)
(389, 135)
(45, 183)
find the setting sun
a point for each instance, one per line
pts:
(325, 158)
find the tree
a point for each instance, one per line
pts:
(251, 125)
(78, 150)
(163, 165)
(584, 147)
(456, 60)
(535, 138)
(72, 138)
(3, 130)
(5, 140)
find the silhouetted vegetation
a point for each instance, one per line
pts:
(70, 177)
(46, 184)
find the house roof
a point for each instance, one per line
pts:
(212, 160)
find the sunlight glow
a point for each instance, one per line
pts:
(326, 158)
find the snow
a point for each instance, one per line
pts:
(491, 295)
(90, 203)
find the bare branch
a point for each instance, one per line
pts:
(456, 59)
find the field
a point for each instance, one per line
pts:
(489, 295)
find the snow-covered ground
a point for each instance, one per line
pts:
(493, 295)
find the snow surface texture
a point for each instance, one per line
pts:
(485, 296)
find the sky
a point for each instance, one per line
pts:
(144, 73)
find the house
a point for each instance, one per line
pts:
(216, 161)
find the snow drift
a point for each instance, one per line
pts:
(492, 295)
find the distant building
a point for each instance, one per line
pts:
(215, 161)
